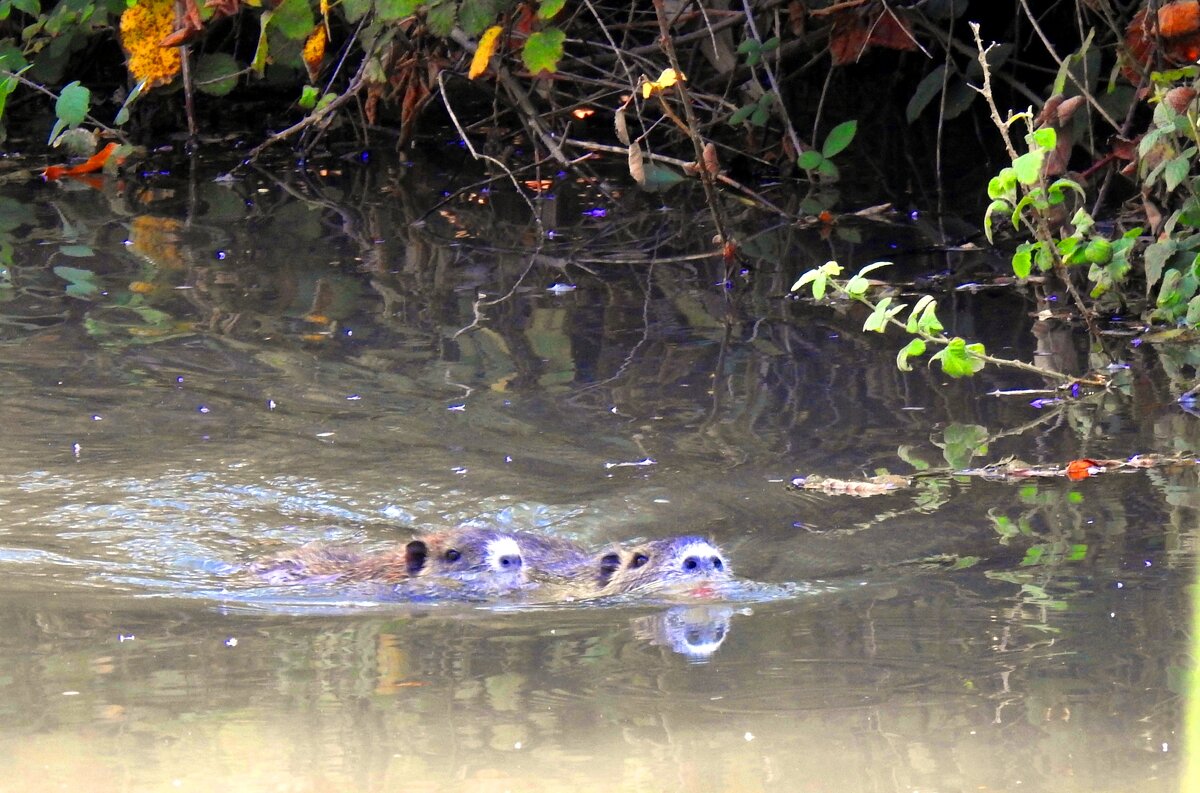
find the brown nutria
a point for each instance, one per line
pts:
(685, 563)
(550, 558)
(461, 554)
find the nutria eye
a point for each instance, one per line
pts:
(691, 563)
(639, 560)
(452, 555)
(717, 563)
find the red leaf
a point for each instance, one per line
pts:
(91, 165)
(847, 38)
(892, 32)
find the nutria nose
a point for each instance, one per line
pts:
(694, 564)
(509, 562)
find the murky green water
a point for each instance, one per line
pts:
(196, 374)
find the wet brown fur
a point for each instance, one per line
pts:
(662, 564)
(423, 556)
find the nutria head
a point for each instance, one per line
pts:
(466, 554)
(674, 563)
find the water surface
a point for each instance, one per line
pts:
(195, 374)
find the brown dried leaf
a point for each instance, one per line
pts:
(637, 167)
(711, 162)
(622, 126)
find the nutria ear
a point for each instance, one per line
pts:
(414, 556)
(609, 564)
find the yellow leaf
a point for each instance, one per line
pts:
(667, 79)
(484, 52)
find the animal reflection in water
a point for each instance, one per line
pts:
(475, 564)
(695, 632)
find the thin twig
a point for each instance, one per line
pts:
(1083, 89)
(707, 179)
(20, 78)
(315, 116)
(986, 91)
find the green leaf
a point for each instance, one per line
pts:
(72, 105)
(873, 266)
(475, 16)
(14, 214)
(308, 97)
(809, 160)
(325, 101)
(1168, 293)
(958, 359)
(543, 50)
(259, 64)
(1098, 251)
(80, 283)
(1176, 171)
(1155, 258)
(1045, 137)
(7, 86)
(911, 325)
(1034, 556)
(1192, 317)
(1077, 552)
(1003, 185)
(293, 18)
(1028, 167)
(76, 251)
(999, 205)
(760, 116)
(741, 114)
(839, 138)
(216, 73)
(914, 349)
(929, 324)
(122, 116)
(659, 177)
(1022, 260)
(440, 18)
(1060, 80)
(828, 171)
(392, 10)
(550, 8)
(1081, 220)
(877, 322)
(807, 278)
(31, 7)
(355, 9)
(929, 87)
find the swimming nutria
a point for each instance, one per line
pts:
(674, 563)
(550, 558)
(481, 555)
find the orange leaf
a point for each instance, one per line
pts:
(484, 52)
(1082, 469)
(314, 51)
(1180, 18)
(93, 164)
